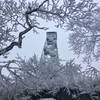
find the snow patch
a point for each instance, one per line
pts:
(47, 99)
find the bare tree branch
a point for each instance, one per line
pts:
(19, 42)
(34, 10)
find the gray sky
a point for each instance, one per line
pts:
(33, 43)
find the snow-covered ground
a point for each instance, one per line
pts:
(47, 99)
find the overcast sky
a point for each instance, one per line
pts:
(33, 43)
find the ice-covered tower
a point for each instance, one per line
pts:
(50, 50)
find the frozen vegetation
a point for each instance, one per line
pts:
(35, 79)
(48, 78)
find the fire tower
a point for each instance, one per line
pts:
(50, 50)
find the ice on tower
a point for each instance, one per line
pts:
(50, 49)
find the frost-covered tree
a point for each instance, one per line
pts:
(37, 75)
(85, 37)
(33, 76)
(19, 17)
(7, 89)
